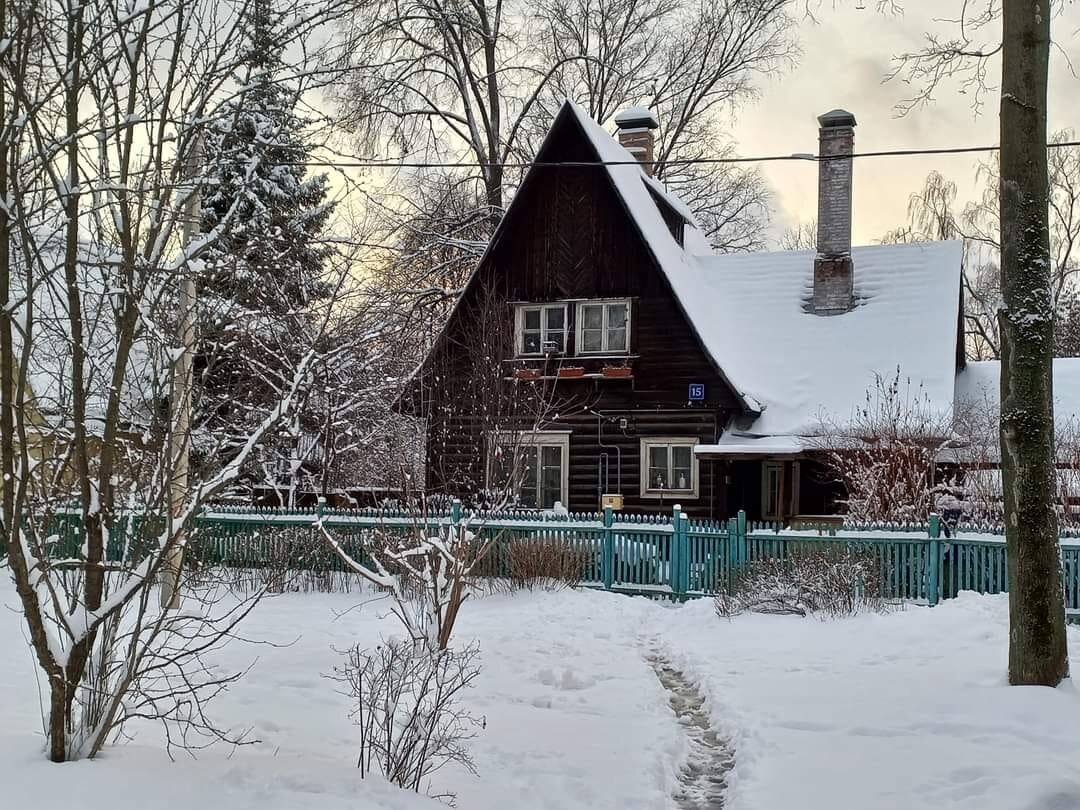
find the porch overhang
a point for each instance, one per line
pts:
(732, 447)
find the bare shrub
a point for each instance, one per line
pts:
(886, 454)
(407, 707)
(827, 582)
(271, 559)
(545, 564)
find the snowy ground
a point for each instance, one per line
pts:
(873, 712)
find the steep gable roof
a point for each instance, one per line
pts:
(635, 190)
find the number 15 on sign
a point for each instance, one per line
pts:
(697, 392)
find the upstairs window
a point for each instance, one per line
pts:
(603, 327)
(541, 329)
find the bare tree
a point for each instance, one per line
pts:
(690, 63)
(101, 111)
(479, 81)
(802, 236)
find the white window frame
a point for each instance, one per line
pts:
(695, 468)
(519, 327)
(538, 438)
(579, 325)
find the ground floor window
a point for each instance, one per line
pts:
(531, 468)
(669, 467)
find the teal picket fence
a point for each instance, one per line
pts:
(666, 556)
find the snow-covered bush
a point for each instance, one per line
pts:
(825, 582)
(408, 711)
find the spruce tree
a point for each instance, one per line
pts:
(263, 275)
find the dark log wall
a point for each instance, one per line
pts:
(567, 236)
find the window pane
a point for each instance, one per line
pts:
(658, 468)
(527, 490)
(592, 340)
(681, 468)
(503, 466)
(556, 341)
(616, 316)
(616, 340)
(532, 319)
(550, 476)
(592, 317)
(556, 317)
(530, 342)
(658, 456)
(680, 456)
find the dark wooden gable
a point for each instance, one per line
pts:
(568, 235)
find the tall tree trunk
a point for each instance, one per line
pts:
(1037, 650)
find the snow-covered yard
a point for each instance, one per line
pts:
(879, 712)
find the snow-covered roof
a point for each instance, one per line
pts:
(49, 370)
(979, 383)
(805, 368)
(749, 312)
(740, 444)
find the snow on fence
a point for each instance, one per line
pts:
(659, 555)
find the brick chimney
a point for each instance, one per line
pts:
(636, 134)
(833, 269)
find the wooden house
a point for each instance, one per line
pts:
(601, 349)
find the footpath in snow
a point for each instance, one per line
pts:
(881, 712)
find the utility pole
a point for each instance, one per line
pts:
(182, 383)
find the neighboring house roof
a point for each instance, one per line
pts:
(49, 369)
(980, 380)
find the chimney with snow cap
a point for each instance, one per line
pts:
(833, 269)
(636, 126)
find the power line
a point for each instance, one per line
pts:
(382, 163)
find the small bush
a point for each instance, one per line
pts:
(407, 709)
(545, 563)
(829, 583)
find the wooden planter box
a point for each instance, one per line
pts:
(571, 372)
(622, 372)
(527, 374)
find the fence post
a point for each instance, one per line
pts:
(607, 552)
(742, 546)
(682, 542)
(933, 585)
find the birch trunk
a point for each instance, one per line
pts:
(1037, 649)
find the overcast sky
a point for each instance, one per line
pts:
(845, 56)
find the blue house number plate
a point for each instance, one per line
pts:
(697, 392)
